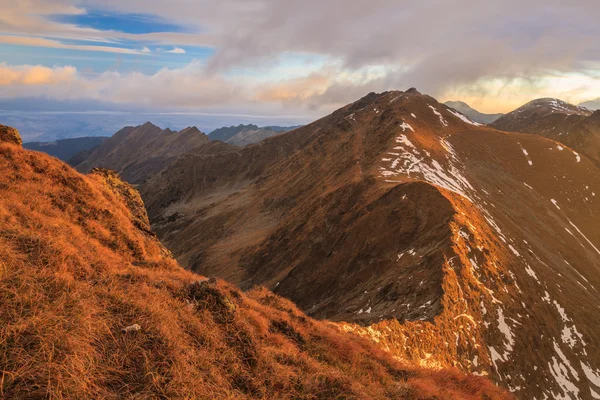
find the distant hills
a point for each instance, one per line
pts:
(473, 113)
(138, 152)
(65, 149)
(243, 135)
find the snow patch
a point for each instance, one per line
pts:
(464, 118)
(406, 126)
(436, 112)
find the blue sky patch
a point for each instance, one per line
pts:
(126, 23)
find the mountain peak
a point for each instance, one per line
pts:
(548, 105)
(149, 124)
(191, 130)
(10, 135)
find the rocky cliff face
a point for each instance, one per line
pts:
(448, 243)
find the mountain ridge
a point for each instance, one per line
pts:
(80, 262)
(138, 152)
(243, 135)
(303, 226)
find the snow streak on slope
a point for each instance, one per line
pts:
(503, 268)
(419, 164)
(464, 118)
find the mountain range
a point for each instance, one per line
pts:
(94, 306)
(66, 149)
(138, 152)
(445, 242)
(243, 135)
(448, 243)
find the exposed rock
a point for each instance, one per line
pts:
(10, 135)
(132, 329)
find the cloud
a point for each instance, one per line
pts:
(146, 50)
(504, 51)
(28, 75)
(187, 87)
(41, 42)
(177, 50)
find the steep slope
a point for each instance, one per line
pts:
(65, 149)
(93, 306)
(472, 113)
(243, 135)
(448, 243)
(138, 152)
(574, 126)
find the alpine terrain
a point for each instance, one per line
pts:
(447, 243)
(93, 306)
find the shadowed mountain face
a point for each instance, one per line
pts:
(93, 306)
(576, 127)
(66, 149)
(448, 243)
(139, 152)
(472, 113)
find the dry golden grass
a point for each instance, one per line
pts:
(77, 266)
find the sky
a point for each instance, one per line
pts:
(292, 58)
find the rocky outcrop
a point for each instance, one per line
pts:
(128, 193)
(10, 135)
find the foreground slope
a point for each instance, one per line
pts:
(138, 152)
(448, 243)
(93, 306)
(574, 126)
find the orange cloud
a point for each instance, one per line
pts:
(292, 90)
(35, 75)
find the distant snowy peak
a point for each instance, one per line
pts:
(472, 113)
(549, 106)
